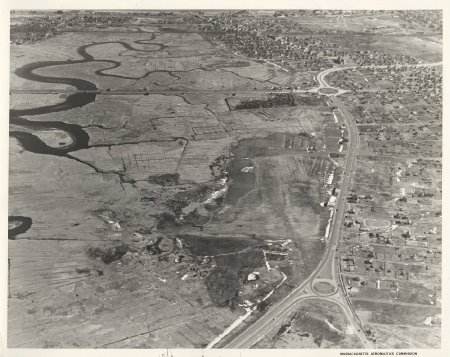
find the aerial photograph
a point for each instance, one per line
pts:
(225, 179)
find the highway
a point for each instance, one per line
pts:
(278, 313)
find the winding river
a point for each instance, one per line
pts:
(86, 93)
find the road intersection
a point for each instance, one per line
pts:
(327, 270)
(279, 312)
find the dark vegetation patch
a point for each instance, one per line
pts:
(88, 271)
(165, 179)
(227, 63)
(108, 254)
(181, 199)
(196, 218)
(308, 100)
(18, 225)
(165, 220)
(240, 182)
(274, 100)
(262, 306)
(154, 248)
(174, 200)
(285, 327)
(225, 280)
(223, 286)
(173, 29)
(238, 64)
(318, 340)
(219, 166)
(275, 257)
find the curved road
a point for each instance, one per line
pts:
(321, 76)
(278, 313)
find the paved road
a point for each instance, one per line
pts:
(277, 313)
(321, 76)
(348, 178)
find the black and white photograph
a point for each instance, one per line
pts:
(213, 179)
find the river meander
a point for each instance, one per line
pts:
(34, 131)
